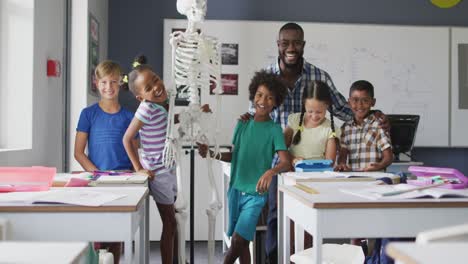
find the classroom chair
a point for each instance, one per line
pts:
(458, 233)
(332, 253)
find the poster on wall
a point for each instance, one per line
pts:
(230, 83)
(93, 50)
(229, 54)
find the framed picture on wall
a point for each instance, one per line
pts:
(93, 56)
(230, 83)
(229, 54)
(182, 97)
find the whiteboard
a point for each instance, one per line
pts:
(459, 114)
(408, 66)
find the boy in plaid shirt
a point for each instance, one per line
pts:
(364, 145)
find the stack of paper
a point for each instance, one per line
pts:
(61, 196)
(292, 178)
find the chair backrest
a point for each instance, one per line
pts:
(457, 233)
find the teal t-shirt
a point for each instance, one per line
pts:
(255, 143)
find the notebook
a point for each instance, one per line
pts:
(293, 178)
(379, 192)
(60, 196)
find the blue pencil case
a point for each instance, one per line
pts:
(313, 165)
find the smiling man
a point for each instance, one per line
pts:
(296, 72)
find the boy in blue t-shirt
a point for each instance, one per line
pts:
(254, 144)
(102, 125)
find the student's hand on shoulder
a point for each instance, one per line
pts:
(384, 123)
(148, 173)
(206, 108)
(245, 117)
(264, 182)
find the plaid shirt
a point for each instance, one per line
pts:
(364, 143)
(293, 101)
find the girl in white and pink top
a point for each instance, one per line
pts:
(150, 122)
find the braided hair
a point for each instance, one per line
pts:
(315, 90)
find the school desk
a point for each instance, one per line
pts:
(118, 220)
(432, 253)
(43, 252)
(334, 214)
(285, 178)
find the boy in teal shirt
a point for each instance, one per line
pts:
(254, 144)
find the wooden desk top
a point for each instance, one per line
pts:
(432, 253)
(134, 197)
(330, 197)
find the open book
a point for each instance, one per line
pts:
(392, 192)
(292, 178)
(68, 179)
(66, 196)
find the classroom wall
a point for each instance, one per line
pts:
(79, 75)
(141, 21)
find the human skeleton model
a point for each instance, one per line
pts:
(195, 65)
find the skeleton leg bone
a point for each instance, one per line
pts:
(181, 210)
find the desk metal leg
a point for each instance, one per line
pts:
(298, 238)
(139, 243)
(142, 244)
(146, 231)
(142, 236)
(283, 231)
(128, 248)
(317, 239)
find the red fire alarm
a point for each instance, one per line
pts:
(53, 68)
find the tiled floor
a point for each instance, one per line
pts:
(200, 252)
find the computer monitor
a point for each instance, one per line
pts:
(403, 133)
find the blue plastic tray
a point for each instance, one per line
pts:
(313, 165)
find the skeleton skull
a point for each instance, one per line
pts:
(194, 10)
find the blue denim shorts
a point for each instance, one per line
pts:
(244, 210)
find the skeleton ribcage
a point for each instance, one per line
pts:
(196, 64)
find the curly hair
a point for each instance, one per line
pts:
(272, 82)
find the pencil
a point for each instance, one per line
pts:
(306, 188)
